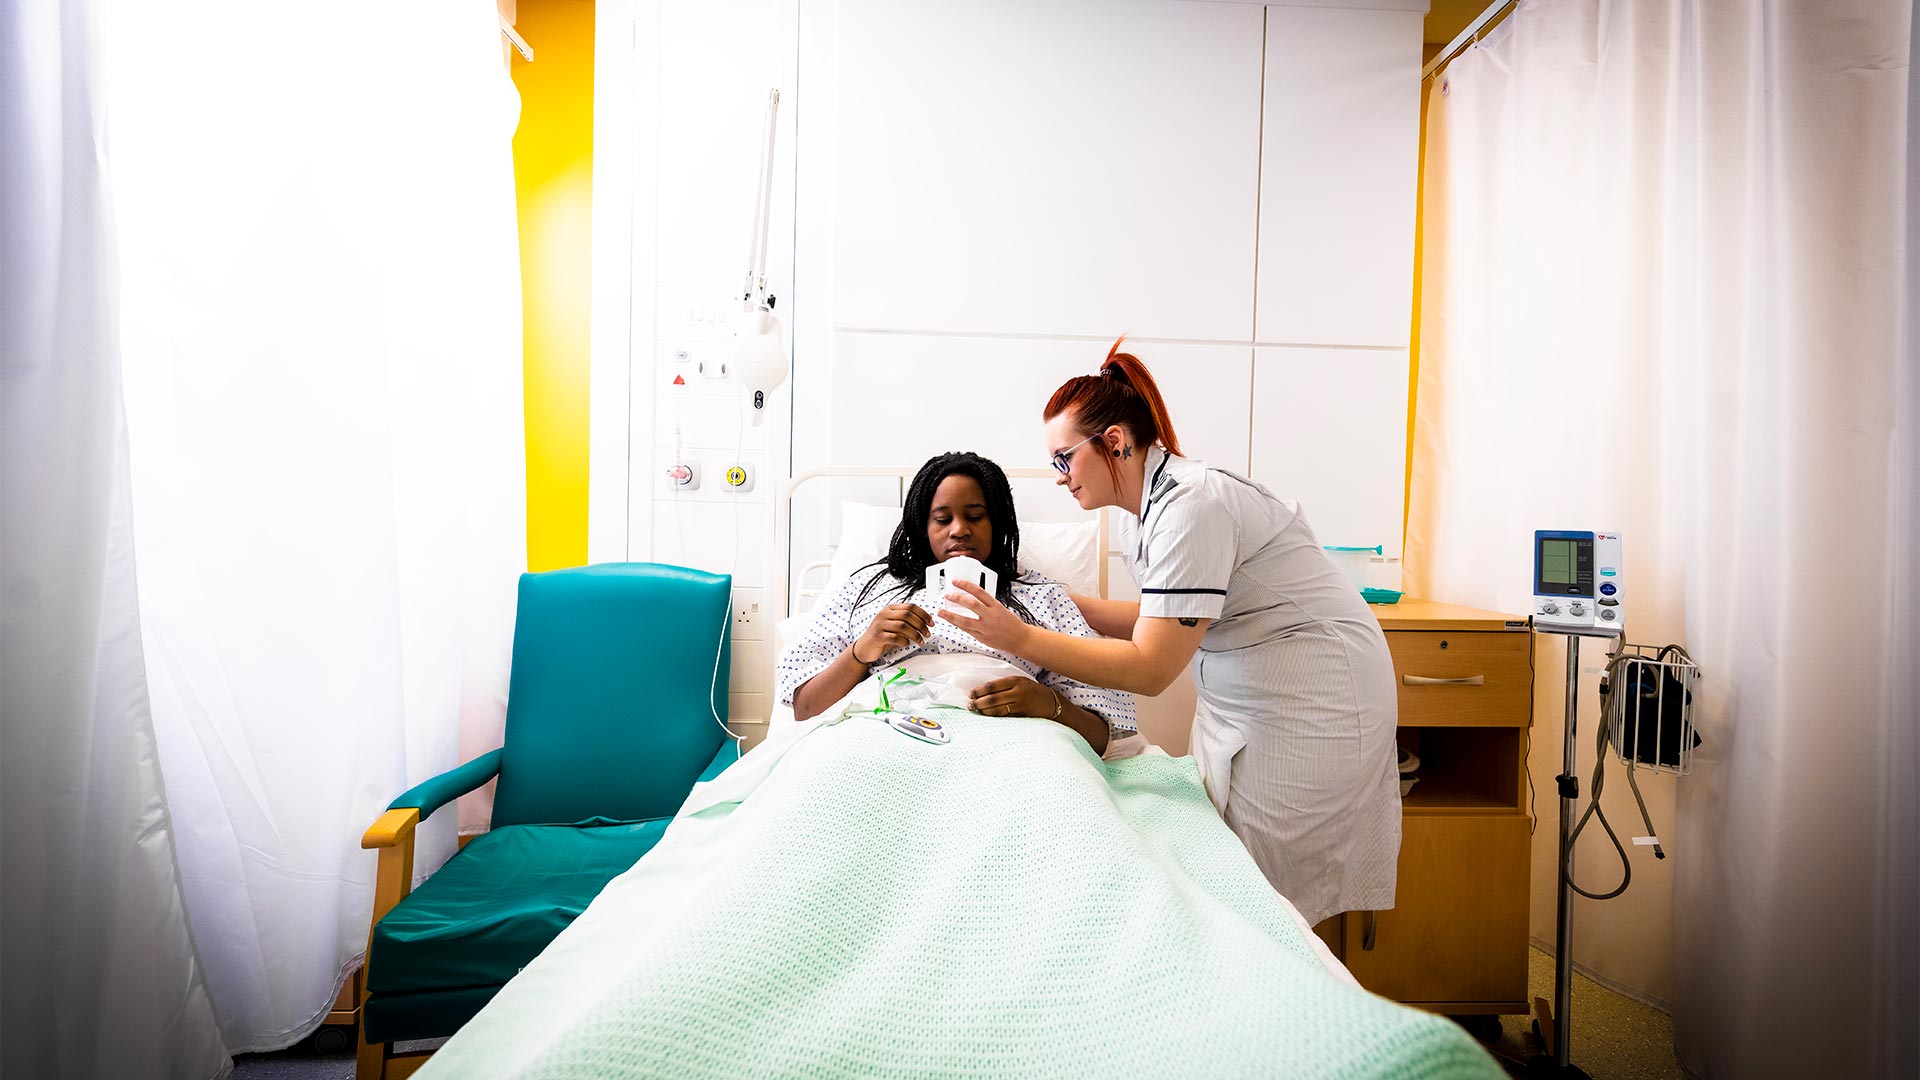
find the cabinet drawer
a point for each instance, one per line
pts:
(1468, 679)
(1458, 928)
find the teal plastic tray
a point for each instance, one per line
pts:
(1381, 596)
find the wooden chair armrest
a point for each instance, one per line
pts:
(394, 827)
(392, 836)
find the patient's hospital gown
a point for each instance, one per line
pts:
(836, 623)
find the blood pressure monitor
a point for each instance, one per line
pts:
(1578, 581)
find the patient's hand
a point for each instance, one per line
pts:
(1014, 695)
(896, 626)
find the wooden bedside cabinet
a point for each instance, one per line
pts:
(1456, 939)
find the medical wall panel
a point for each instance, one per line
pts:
(1330, 433)
(1339, 165)
(1066, 168)
(902, 398)
(688, 127)
(718, 535)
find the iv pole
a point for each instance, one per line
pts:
(1558, 1064)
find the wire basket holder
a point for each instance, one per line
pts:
(1648, 702)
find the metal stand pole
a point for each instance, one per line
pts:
(1569, 787)
(1563, 922)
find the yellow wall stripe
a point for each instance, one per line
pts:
(553, 172)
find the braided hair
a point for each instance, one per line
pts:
(909, 554)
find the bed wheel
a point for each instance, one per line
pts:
(332, 1040)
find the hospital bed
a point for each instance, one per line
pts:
(844, 901)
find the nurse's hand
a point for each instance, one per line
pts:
(1015, 695)
(996, 628)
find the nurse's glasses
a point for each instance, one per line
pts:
(1063, 459)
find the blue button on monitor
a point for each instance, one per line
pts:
(1608, 588)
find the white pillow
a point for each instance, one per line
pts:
(1066, 552)
(865, 532)
(1069, 553)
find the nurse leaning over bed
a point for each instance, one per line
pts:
(958, 504)
(1294, 726)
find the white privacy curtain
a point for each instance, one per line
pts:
(97, 970)
(322, 342)
(1668, 289)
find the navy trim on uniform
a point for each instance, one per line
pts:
(1155, 483)
(1215, 592)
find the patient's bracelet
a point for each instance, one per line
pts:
(1058, 705)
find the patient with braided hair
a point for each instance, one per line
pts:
(959, 504)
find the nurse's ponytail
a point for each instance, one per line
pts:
(1123, 393)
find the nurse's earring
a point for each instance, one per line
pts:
(1124, 452)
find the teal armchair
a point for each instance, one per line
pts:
(610, 722)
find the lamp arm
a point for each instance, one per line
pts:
(756, 284)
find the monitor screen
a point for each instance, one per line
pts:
(1563, 565)
(1557, 562)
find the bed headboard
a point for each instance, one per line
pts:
(788, 580)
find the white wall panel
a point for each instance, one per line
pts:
(1339, 166)
(1330, 433)
(715, 62)
(906, 397)
(1062, 168)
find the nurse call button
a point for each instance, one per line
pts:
(920, 728)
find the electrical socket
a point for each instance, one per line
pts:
(748, 618)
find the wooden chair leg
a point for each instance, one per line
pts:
(392, 836)
(370, 1062)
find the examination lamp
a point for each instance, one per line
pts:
(760, 349)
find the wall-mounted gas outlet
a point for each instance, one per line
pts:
(749, 620)
(683, 476)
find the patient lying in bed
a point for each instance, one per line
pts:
(959, 504)
(842, 902)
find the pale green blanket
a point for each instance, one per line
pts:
(857, 903)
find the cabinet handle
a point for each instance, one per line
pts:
(1366, 936)
(1427, 680)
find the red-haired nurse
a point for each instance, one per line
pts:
(1294, 727)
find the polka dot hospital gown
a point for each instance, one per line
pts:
(836, 623)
